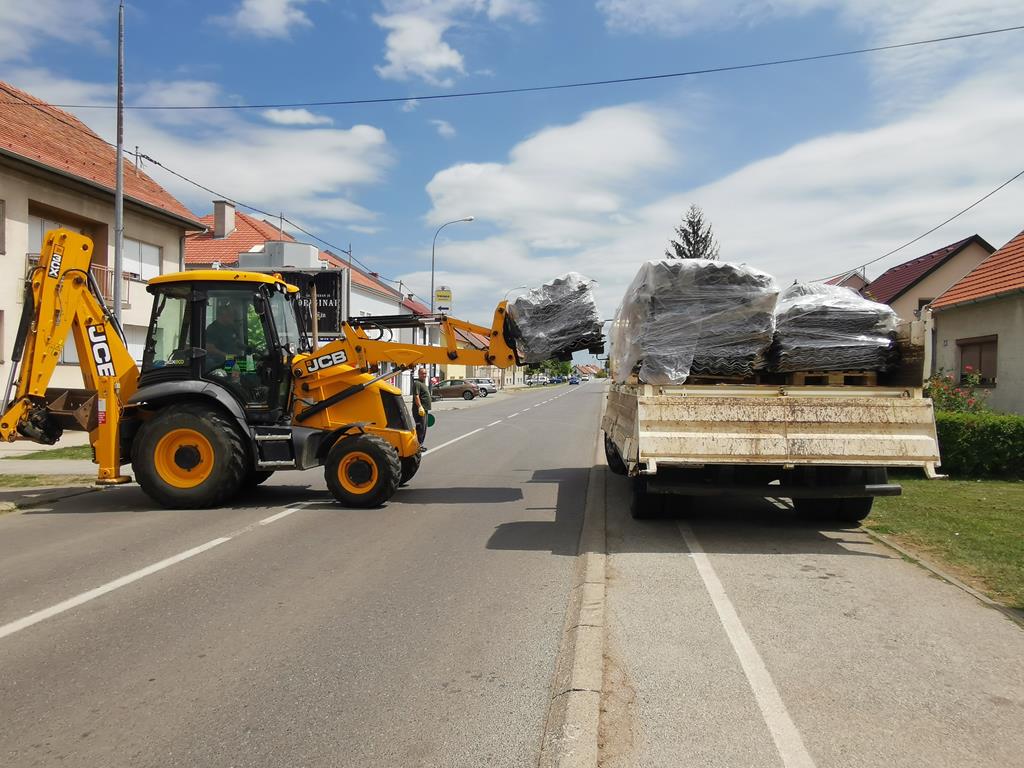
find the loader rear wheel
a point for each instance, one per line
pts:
(410, 466)
(191, 457)
(363, 471)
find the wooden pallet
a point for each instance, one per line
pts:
(834, 379)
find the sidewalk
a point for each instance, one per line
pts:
(51, 467)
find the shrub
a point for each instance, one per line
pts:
(981, 444)
(948, 396)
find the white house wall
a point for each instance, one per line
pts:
(17, 190)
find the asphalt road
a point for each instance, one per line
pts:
(288, 631)
(739, 635)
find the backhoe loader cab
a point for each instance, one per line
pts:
(234, 330)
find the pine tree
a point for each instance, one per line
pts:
(696, 240)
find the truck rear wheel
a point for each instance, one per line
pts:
(615, 462)
(191, 457)
(644, 505)
(363, 471)
(849, 511)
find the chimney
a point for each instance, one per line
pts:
(223, 218)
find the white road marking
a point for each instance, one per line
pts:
(278, 516)
(110, 586)
(494, 422)
(784, 732)
(513, 415)
(777, 502)
(453, 440)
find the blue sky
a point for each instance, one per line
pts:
(804, 170)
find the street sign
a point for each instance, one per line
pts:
(443, 299)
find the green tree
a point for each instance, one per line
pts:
(696, 240)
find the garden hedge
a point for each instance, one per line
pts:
(981, 444)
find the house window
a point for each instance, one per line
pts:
(141, 260)
(978, 355)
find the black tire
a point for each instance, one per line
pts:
(258, 477)
(847, 511)
(615, 462)
(226, 469)
(467, 395)
(371, 467)
(410, 466)
(483, 393)
(643, 505)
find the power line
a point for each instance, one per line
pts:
(22, 101)
(240, 204)
(977, 202)
(558, 86)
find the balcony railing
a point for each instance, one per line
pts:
(104, 279)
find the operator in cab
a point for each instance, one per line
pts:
(222, 337)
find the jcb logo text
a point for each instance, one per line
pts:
(326, 361)
(101, 351)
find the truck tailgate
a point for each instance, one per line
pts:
(760, 424)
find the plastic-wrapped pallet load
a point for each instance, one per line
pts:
(830, 328)
(556, 319)
(683, 317)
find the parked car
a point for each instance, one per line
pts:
(574, 379)
(467, 390)
(486, 386)
(585, 377)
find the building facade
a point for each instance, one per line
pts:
(979, 324)
(55, 172)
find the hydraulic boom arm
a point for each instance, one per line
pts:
(62, 299)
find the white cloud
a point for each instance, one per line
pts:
(312, 175)
(415, 48)
(562, 186)
(906, 75)
(410, 105)
(26, 25)
(444, 129)
(267, 18)
(415, 45)
(818, 208)
(363, 229)
(295, 117)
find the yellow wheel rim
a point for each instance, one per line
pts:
(184, 458)
(357, 472)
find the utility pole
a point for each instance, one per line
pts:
(119, 183)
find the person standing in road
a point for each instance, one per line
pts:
(420, 404)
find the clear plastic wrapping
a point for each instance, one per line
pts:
(823, 327)
(682, 317)
(556, 319)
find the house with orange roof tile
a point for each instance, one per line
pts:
(56, 172)
(979, 324)
(909, 286)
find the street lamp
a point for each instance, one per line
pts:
(517, 288)
(432, 247)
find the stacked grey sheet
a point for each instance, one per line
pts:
(556, 319)
(830, 328)
(683, 317)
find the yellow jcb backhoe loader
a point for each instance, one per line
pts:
(230, 390)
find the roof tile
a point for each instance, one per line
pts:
(1002, 272)
(33, 129)
(894, 282)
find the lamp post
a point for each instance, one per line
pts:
(433, 246)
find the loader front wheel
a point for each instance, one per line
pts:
(410, 466)
(363, 471)
(189, 458)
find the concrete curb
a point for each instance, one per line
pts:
(1010, 613)
(571, 732)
